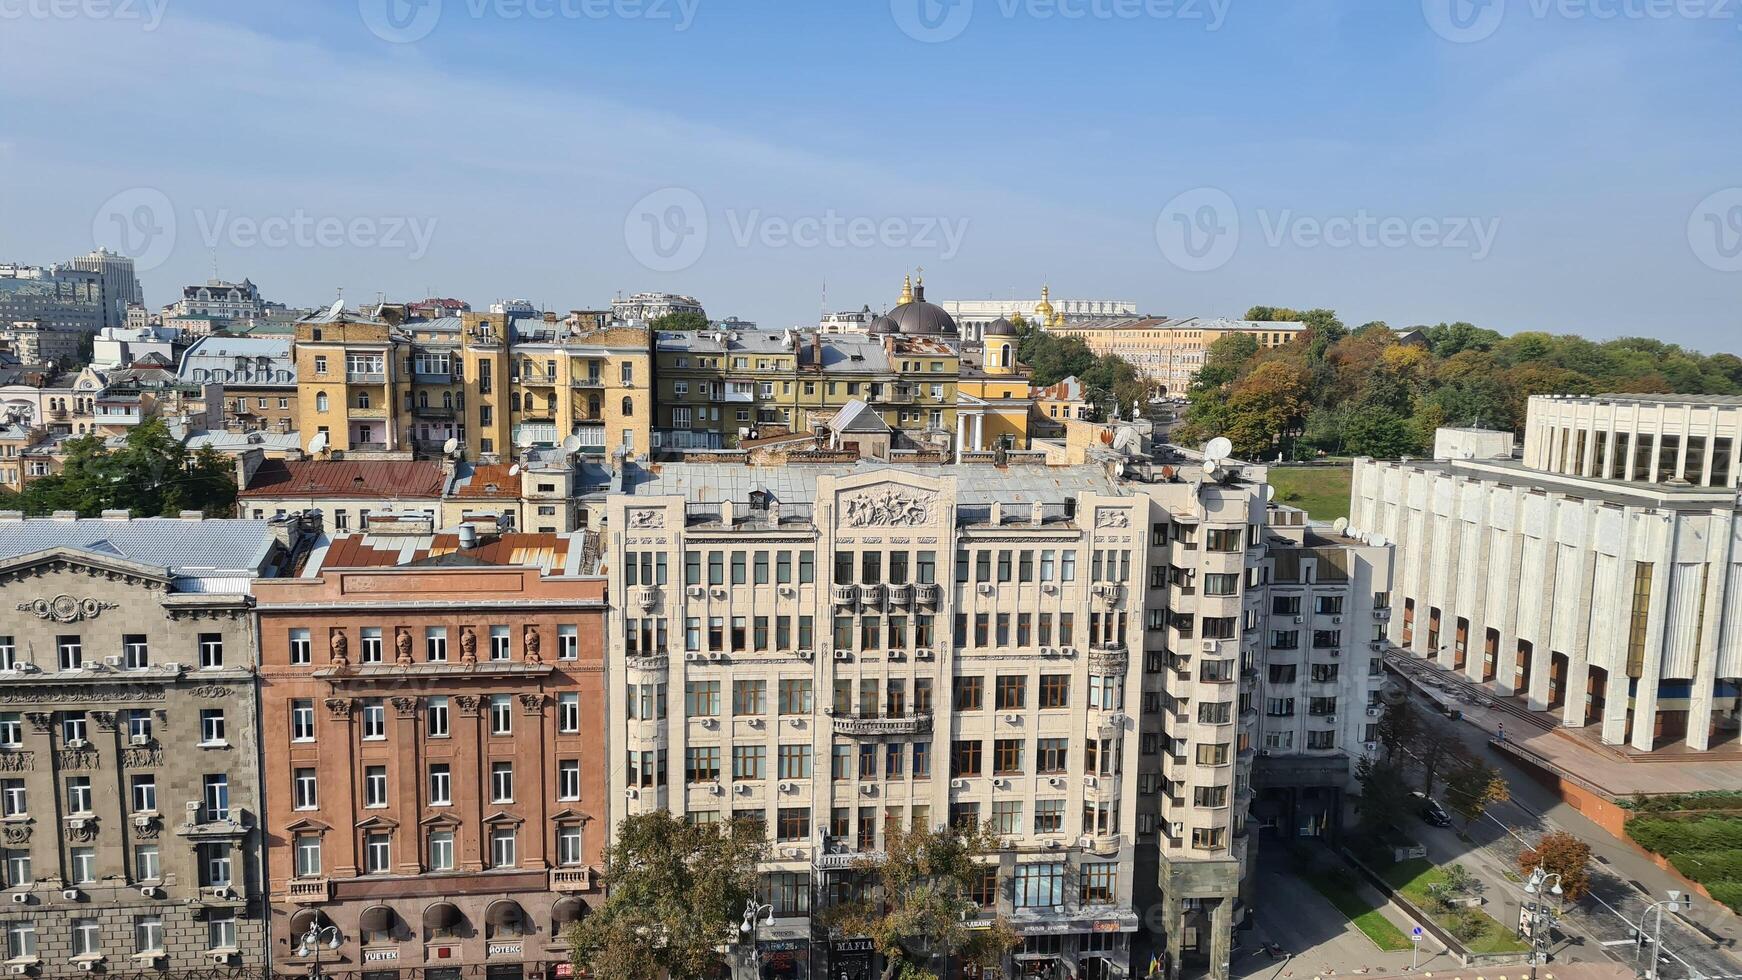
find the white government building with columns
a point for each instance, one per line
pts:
(1600, 577)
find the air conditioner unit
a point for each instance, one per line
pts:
(696, 591)
(789, 787)
(173, 667)
(224, 892)
(843, 655)
(741, 789)
(985, 588)
(633, 794)
(139, 739)
(1056, 781)
(28, 667)
(692, 656)
(866, 789)
(1210, 646)
(754, 722)
(87, 965)
(76, 743)
(1332, 719)
(1000, 783)
(149, 891)
(1370, 746)
(710, 723)
(923, 654)
(806, 654)
(719, 593)
(716, 655)
(141, 821)
(18, 968)
(1048, 588)
(787, 590)
(20, 898)
(1336, 620)
(1012, 719)
(112, 662)
(715, 789)
(1372, 711)
(70, 894)
(1300, 619)
(958, 784)
(1178, 828)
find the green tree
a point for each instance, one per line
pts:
(150, 474)
(680, 320)
(1397, 728)
(1384, 794)
(917, 907)
(677, 893)
(1472, 788)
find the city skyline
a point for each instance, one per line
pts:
(1490, 156)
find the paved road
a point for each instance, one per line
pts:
(1700, 945)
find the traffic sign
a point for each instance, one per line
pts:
(1415, 935)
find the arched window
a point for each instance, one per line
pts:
(1004, 356)
(423, 399)
(447, 399)
(362, 399)
(321, 401)
(628, 406)
(526, 402)
(553, 404)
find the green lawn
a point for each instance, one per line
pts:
(1321, 491)
(1411, 879)
(1366, 918)
(1706, 848)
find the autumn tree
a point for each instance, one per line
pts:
(1267, 405)
(677, 893)
(1472, 788)
(1560, 853)
(917, 905)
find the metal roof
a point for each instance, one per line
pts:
(344, 478)
(192, 549)
(976, 483)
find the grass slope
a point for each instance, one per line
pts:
(1321, 491)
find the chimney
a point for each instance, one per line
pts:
(817, 350)
(468, 536)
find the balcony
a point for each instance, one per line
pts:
(848, 861)
(898, 396)
(844, 595)
(591, 381)
(1108, 660)
(310, 891)
(431, 412)
(369, 447)
(901, 595)
(571, 880)
(56, 414)
(644, 596)
(927, 595)
(871, 595)
(366, 377)
(915, 724)
(540, 379)
(1109, 593)
(369, 412)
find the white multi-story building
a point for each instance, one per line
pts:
(220, 300)
(647, 307)
(1067, 653)
(974, 315)
(1600, 578)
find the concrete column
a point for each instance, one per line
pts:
(405, 775)
(1542, 655)
(980, 432)
(470, 776)
(1221, 938)
(1578, 658)
(529, 773)
(1645, 700)
(1505, 619)
(1173, 920)
(961, 432)
(1711, 631)
(336, 775)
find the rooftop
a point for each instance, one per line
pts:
(1624, 493)
(550, 553)
(1646, 399)
(190, 549)
(485, 482)
(345, 478)
(976, 483)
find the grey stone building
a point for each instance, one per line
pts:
(129, 757)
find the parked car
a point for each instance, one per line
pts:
(1430, 810)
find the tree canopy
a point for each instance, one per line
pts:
(150, 474)
(680, 320)
(1109, 381)
(1367, 394)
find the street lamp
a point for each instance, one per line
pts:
(754, 911)
(1654, 941)
(311, 942)
(1538, 914)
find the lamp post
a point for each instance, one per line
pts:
(755, 914)
(1676, 902)
(1539, 914)
(311, 942)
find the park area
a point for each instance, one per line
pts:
(1439, 893)
(1702, 841)
(1321, 491)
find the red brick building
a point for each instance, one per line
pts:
(433, 728)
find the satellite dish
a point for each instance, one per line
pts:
(318, 443)
(1269, 492)
(514, 470)
(450, 447)
(1378, 541)
(525, 440)
(572, 445)
(1219, 448)
(1340, 525)
(1210, 467)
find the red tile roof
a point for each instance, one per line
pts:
(490, 482)
(543, 550)
(343, 478)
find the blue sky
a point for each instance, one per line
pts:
(1530, 165)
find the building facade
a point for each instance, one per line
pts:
(1616, 605)
(220, 300)
(836, 650)
(1689, 440)
(129, 755)
(1170, 352)
(257, 377)
(973, 316)
(644, 308)
(438, 707)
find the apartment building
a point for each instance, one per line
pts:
(382, 384)
(256, 376)
(436, 702)
(840, 649)
(1599, 578)
(344, 494)
(1170, 352)
(129, 757)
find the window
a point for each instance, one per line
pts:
(501, 646)
(441, 786)
(702, 699)
(214, 866)
(435, 715)
(795, 696)
(87, 938)
(503, 848)
(749, 697)
(147, 934)
(502, 782)
(568, 712)
(211, 651)
(1039, 885)
(374, 718)
(136, 653)
(145, 866)
(501, 714)
(701, 763)
(212, 726)
(71, 651)
(307, 855)
(1213, 754)
(793, 823)
(78, 794)
(965, 758)
(1100, 882)
(375, 786)
(20, 940)
(301, 649)
(144, 795)
(1049, 816)
(82, 864)
(11, 729)
(1007, 756)
(441, 850)
(13, 802)
(1055, 691)
(1007, 817)
(1051, 755)
(748, 761)
(969, 693)
(8, 653)
(795, 762)
(435, 644)
(221, 932)
(371, 652)
(1012, 692)
(72, 729)
(17, 867)
(568, 779)
(377, 853)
